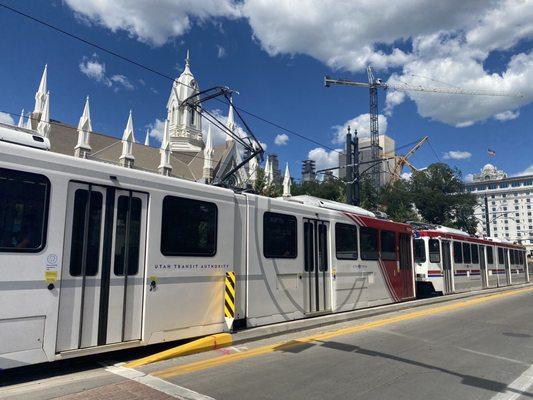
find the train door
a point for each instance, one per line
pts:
(406, 266)
(507, 266)
(103, 271)
(483, 266)
(447, 267)
(316, 269)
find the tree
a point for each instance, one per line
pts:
(438, 194)
(329, 190)
(369, 196)
(396, 200)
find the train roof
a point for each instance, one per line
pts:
(465, 237)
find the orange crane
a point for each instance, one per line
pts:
(402, 161)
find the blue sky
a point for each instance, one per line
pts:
(276, 59)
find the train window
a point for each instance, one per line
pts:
(513, 256)
(92, 255)
(434, 251)
(346, 241)
(23, 211)
(521, 258)
(279, 235)
(420, 251)
(467, 258)
(369, 243)
(188, 227)
(322, 247)
(457, 253)
(388, 245)
(133, 236)
(490, 255)
(500, 256)
(309, 243)
(475, 254)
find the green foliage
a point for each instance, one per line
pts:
(396, 199)
(331, 190)
(438, 194)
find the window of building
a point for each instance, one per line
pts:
(369, 243)
(466, 253)
(23, 211)
(388, 245)
(434, 250)
(346, 241)
(515, 184)
(420, 251)
(490, 255)
(504, 185)
(457, 253)
(475, 254)
(492, 186)
(188, 227)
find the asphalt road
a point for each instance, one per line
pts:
(480, 348)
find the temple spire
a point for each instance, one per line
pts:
(128, 138)
(40, 95)
(208, 157)
(28, 122)
(44, 123)
(147, 138)
(165, 167)
(287, 182)
(230, 122)
(21, 119)
(85, 128)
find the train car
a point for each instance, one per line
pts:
(448, 260)
(97, 257)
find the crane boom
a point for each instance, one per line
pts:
(410, 88)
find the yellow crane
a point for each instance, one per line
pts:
(402, 161)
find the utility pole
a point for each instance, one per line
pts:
(349, 169)
(352, 169)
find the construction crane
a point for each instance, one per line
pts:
(374, 84)
(402, 161)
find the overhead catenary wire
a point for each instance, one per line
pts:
(161, 74)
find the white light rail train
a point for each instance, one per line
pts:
(96, 257)
(448, 260)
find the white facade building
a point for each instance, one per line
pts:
(510, 205)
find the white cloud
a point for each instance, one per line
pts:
(6, 119)
(148, 23)
(527, 171)
(361, 123)
(446, 41)
(157, 129)
(406, 175)
(221, 51)
(469, 177)
(457, 155)
(507, 115)
(324, 158)
(281, 140)
(94, 69)
(122, 80)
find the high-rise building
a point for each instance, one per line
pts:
(308, 171)
(274, 162)
(387, 149)
(509, 201)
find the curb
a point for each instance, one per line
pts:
(196, 346)
(263, 332)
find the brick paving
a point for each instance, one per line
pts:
(125, 390)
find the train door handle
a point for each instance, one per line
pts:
(50, 286)
(153, 285)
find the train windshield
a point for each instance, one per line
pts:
(420, 251)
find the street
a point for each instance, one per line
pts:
(479, 348)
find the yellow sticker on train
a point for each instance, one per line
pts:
(50, 276)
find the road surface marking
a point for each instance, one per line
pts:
(518, 387)
(160, 385)
(229, 358)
